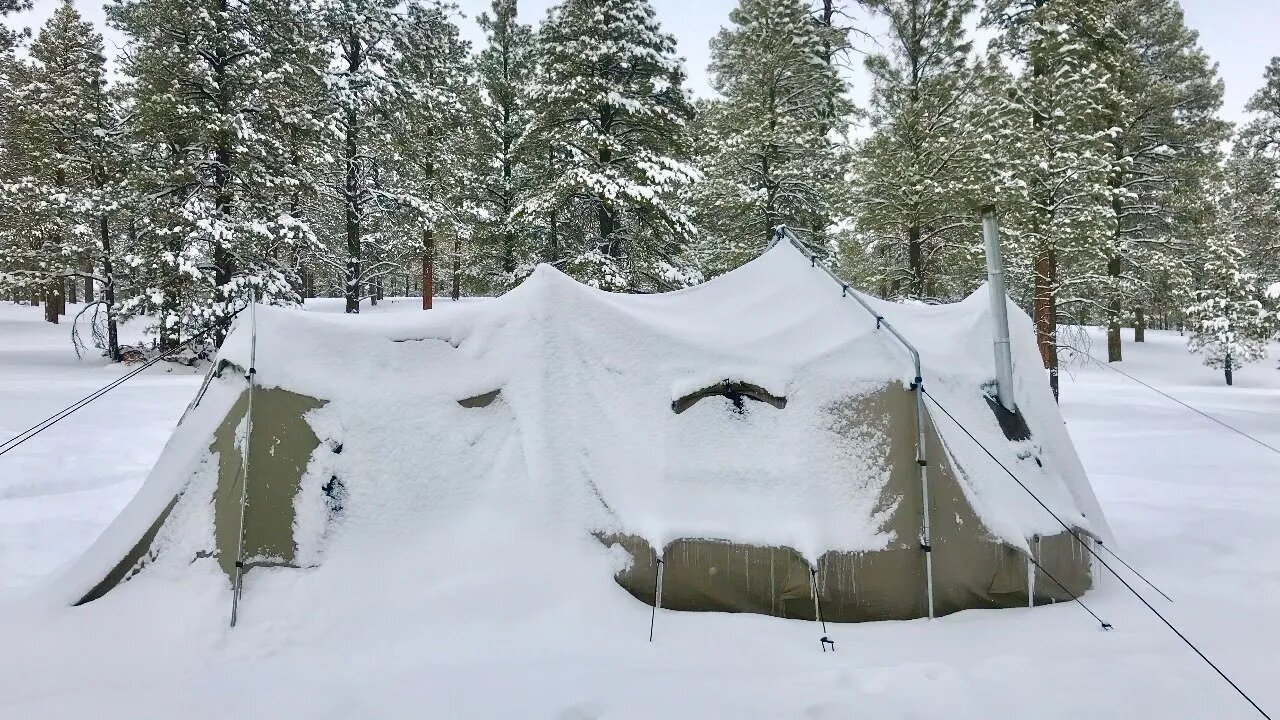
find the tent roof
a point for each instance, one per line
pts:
(777, 322)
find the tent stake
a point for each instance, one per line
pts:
(238, 583)
(657, 597)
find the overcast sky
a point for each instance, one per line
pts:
(1240, 35)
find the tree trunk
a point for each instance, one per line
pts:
(1139, 325)
(1045, 312)
(609, 245)
(428, 267)
(224, 156)
(456, 291)
(88, 283)
(52, 299)
(351, 196)
(1113, 313)
(33, 297)
(109, 290)
(915, 259)
(73, 290)
(553, 246)
(1226, 367)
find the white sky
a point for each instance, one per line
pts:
(1240, 35)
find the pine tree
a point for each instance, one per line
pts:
(47, 239)
(1165, 156)
(212, 227)
(437, 165)
(769, 158)
(1229, 325)
(1254, 175)
(614, 111)
(506, 155)
(1057, 130)
(916, 175)
(383, 93)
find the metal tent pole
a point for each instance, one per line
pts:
(782, 232)
(238, 583)
(1033, 549)
(657, 597)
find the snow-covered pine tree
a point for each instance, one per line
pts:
(506, 157)
(47, 237)
(1254, 175)
(108, 151)
(769, 158)
(613, 108)
(1229, 325)
(433, 154)
(212, 228)
(916, 175)
(1057, 133)
(381, 77)
(1165, 157)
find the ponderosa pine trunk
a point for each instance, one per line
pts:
(609, 245)
(915, 260)
(1045, 314)
(1044, 298)
(1113, 313)
(351, 186)
(52, 298)
(553, 242)
(428, 267)
(224, 155)
(109, 290)
(455, 291)
(1226, 367)
(1139, 325)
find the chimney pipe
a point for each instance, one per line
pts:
(999, 309)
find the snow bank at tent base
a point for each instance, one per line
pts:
(456, 638)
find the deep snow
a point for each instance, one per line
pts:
(1196, 508)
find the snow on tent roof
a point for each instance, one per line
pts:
(582, 435)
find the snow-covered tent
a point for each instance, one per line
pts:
(756, 433)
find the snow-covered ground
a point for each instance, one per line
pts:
(1195, 507)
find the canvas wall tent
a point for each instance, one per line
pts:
(757, 433)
